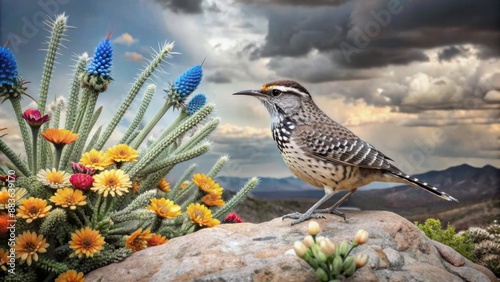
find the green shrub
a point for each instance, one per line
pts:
(462, 243)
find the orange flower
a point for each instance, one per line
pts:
(183, 185)
(122, 153)
(86, 242)
(201, 215)
(59, 136)
(4, 197)
(164, 208)
(4, 259)
(28, 245)
(138, 240)
(135, 187)
(163, 185)
(156, 240)
(70, 276)
(213, 200)
(32, 209)
(207, 184)
(68, 197)
(4, 222)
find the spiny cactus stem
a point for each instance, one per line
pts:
(75, 91)
(218, 166)
(16, 104)
(242, 193)
(148, 95)
(57, 155)
(57, 115)
(58, 29)
(151, 124)
(34, 135)
(199, 136)
(160, 57)
(84, 216)
(14, 158)
(182, 115)
(173, 160)
(86, 123)
(75, 217)
(183, 178)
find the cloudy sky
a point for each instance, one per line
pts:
(420, 80)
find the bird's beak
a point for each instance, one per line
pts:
(254, 93)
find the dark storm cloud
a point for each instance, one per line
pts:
(295, 2)
(449, 53)
(360, 29)
(219, 77)
(182, 6)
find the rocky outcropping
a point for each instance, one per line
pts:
(398, 251)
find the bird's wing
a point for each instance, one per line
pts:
(334, 143)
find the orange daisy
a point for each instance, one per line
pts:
(68, 197)
(207, 184)
(70, 276)
(156, 240)
(213, 200)
(164, 208)
(4, 259)
(201, 215)
(86, 242)
(138, 240)
(122, 153)
(33, 208)
(28, 245)
(59, 136)
(163, 185)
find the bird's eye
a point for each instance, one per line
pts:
(275, 92)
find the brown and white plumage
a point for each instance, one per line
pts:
(322, 152)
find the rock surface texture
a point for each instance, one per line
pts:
(398, 251)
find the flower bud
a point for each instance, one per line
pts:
(321, 256)
(347, 263)
(321, 274)
(337, 265)
(361, 237)
(319, 239)
(344, 248)
(300, 249)
(327, 247)
(361, 260)
(313, 228)
(308, 241)
(350, 270)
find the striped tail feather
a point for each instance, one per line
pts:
(424, 185)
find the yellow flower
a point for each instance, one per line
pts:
(164, 208)
(96, 159)
(135, 187)
(70, 276)
(207, 184)
(53, 178)
(86, 242)
(4, 259)
(28, 245)
(183, 185)
(163, 185)
(213, 200)
(68, 197)
(113, 181)
(33, 208)
(59, 137)
(122, 153)
(156, 240)
(138, 240)
(201, 215)
(4, 197)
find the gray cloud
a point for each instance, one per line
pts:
(182, 6)
(219, 77)
(449, 53)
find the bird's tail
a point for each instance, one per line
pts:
(424, 185)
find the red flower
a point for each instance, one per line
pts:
(3, 222)
(79, 168)
(232, 217)
(81, 181)
(6, 178)
(34, 117)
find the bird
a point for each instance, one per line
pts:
(322, 152)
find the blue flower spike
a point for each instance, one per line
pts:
(187, 83)
(196, 103)
(8, 67)
(98, 74)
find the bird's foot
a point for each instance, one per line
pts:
(301, 217)
(332, 211)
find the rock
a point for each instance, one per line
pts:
(449, 254)
(398, 251)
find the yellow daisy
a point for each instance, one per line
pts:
(4, 197)
(138, 240)
(163, 185)
(28, 245)
(164, 208)
(86, 242)
(201, 215)
(113, 181)
(68, 197)
(70, 276)
(122, 153)
(213, 200)
(156, 240)
(96, 159)
(183, 185)
(207, 184)
(33, 208)
(53, 178)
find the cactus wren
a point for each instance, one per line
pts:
(322, 152)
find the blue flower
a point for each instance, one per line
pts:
(198, 101)
(188, 81)
(101, 62)
(8, 67)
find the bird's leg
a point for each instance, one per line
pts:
(333, 209)
(310, 212)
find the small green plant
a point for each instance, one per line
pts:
(330, 260)
(487, 250)
(461, 243)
